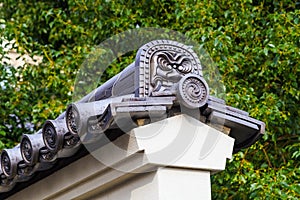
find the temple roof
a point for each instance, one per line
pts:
(170, 82)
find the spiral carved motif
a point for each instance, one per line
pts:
(26, 150)
(193, 91)
(50, 137)
(6, 164)
(72, 120)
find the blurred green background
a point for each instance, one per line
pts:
(254, 44)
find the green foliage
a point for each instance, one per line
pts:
(255, 45)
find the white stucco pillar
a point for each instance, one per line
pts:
(175, 184)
